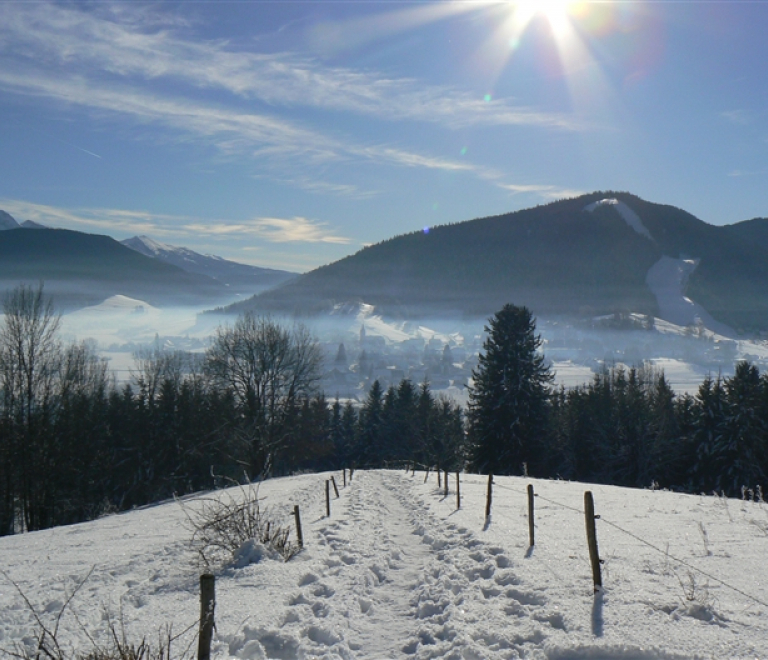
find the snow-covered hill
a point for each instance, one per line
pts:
(398, 572)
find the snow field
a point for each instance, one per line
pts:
(398, 572)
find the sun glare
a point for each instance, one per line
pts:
(555, 11)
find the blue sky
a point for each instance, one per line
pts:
(290, 134)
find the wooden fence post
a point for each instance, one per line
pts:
(426, 476)
(328, 498)
(344, 477)
(299, 535)
(446, 484)
(335, 488)
(439, 478)
(207, 607)
(594, 555)
(489, 497)
(530, 516)
(458, 491)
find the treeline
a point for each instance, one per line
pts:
(627, 427)
(74, 444)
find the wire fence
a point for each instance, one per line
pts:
(636, 537)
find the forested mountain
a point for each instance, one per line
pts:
(588, 255)
(83, 269)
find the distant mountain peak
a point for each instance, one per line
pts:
(7, 221)
(240, 277)
(149, 246)
(31, 224)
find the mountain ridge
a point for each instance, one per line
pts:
(561, 258)
(80, 269)
(242, 277)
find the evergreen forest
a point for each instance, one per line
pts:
(75, 444)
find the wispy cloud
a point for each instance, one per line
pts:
(545, 191)
(119, 61)
(346, 190)
(125, 221)
(232, 131)
(739, 173)
(131, 45)
(105, 220)
(282, 230)
(737, 116)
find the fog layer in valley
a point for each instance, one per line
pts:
(442, 351)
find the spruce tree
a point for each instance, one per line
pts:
(508, 399)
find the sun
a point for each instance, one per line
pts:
(556, 12)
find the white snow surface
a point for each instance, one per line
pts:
(628, 215)
(397, 571)
(667, 279)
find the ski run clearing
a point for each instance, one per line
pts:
(398, 572)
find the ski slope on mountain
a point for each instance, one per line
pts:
(397, 571)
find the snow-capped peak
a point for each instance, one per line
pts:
(148, 246)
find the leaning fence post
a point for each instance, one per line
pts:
(594, 556)
(458, 491)
(426, 475)
(489, 497)
(530, 515)
(299, 535)
(335, 487)
(207, 607)
(328, 498)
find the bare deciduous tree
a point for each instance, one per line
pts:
(269, 369)
(30, 364)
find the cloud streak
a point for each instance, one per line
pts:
(124, 221)
(107, 43)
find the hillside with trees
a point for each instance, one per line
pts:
(572, 257)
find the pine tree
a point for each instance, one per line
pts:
(508, 399)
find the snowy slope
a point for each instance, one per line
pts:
(398, 572)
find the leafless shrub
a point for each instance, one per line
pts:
(48, 646)
(705, 539)
(223, 524)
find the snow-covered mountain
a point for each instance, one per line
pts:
(242, 277)
(397, 571)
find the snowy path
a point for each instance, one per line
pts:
(398, 583)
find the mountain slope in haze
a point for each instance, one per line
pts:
(81, 269)
(240, 277)
(584, 256)
(7, 221)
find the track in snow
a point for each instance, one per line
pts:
(393, 582)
